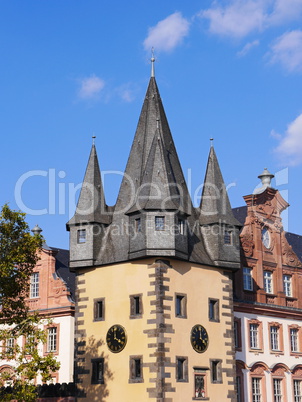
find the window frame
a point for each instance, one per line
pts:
(81, 236)
(259, 338)
(136, 305)
(136, 369)
(181, 365)
(159, 222)
(52, 335)
(216, 371)
(180, 305)
(95, 370)
(297, 396)
(214, 310)
(268, 284)
(34, 288)
(228, 237)
(247, 276)
(272, 337)
(287, 285)
(99, 314)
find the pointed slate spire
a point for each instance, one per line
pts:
(152, 150)
(91, 207)
(215, 205)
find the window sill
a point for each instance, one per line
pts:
(135, 380)
(135, 316)
(256, 351)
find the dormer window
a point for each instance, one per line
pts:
(138, 225)
(82, 236)
(159, 223)
(181, 226)
(228, 237)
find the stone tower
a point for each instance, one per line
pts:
(154, 307)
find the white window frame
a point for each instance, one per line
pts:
(277, 386)
(254, 336)
(274, 337)
(297, 390)
(268, 282)
(34, 285)
(247, 278)
(293, 334)
(256, 389)
(287, 285)
(52, 339)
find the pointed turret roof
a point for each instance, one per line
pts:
(215, 205)
(153, 161)
(91, 205)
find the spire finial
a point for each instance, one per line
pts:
(211, 142)
(93, 139)
(152, 62)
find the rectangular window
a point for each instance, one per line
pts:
(228, 239)
(256, 389)
(237, 333)
(214, 310)
(52, 339)
(99, 309)
(297, 390)
(181, 226)
(136, 307)
(254, 336)
(182, 369)
(274, 336)
(136, 369)
(10, 343)
(216, 374)
(268, 282)
(82, 236)
(294, 340)
(200, 385)
(238, 389)
(181, 305)
(287, 285)
(34, 285)
(97, 371)
(138, 225)
(247, 278)
(277, 390)
(159, 223)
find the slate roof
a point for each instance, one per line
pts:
(91, 205)
(215, 205)
(153, 181)
(62, 269)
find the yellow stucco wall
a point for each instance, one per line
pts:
(116, 283)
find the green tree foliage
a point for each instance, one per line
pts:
(22, 332)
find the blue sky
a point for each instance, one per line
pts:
(70, 69)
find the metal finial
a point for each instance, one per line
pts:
(211, 141)
(266, 178)
(93, 139)
(152, 62)
(36, 230)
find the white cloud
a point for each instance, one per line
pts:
(285, 10)
(90, 87)
(237, 19)
(127, 92)
(290, 147)
(167, 33)
(287, 50)
(244, 51)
